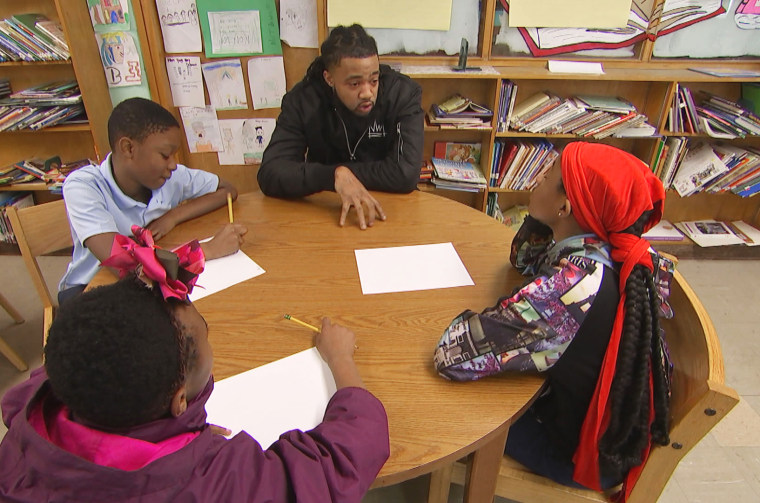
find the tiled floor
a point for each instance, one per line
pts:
(724, 467)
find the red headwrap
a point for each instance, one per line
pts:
(609, 189)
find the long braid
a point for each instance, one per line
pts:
(627, 433)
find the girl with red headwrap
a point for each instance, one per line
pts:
(588, 318)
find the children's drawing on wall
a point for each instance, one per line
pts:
(109, 12)
(186, 81)
(298, 23)
(244, 140)
(747, 15)
(201, 129)
(235, 32)
(266, 77)
(226, 87)
(256, 135)
(120, 59)
(179, 25)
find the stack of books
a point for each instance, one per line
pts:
(457, 175)
(459, 112)
(722, 118)
(32, 37)
(702, 167)
(426, 172)
(584, 116)
(41, 106)
(517, 164)
(18, 200)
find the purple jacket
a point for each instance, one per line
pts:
(336, 461)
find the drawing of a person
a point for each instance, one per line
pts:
(260, 137)
(201, 143)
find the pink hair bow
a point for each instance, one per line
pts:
(175, 271)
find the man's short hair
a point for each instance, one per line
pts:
(347, 42)
(138, 118)
(116, 356)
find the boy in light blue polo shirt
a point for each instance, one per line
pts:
(139, 183)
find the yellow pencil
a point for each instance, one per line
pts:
(229, 207)
(302, 323)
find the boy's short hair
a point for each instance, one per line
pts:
(138, 118)
(347, 42)
(115, 355)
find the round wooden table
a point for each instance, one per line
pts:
(311, 272)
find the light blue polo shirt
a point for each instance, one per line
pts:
(96, 205)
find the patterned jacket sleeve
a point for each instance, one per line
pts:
(527, 331)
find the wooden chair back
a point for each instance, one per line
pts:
(40, 230)
(700, 399)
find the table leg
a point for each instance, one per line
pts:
(440, 480)
(483, 470)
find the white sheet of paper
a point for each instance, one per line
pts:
(266, 76)
(225, 83)
(179, 25)
(267, 401)
(185, 80)
(224, 272)
(245, 140)
(409, 268)
(298, 23)
(235, 32)
(201, 129)
(558, 66)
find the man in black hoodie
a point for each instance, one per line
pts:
(351, 125)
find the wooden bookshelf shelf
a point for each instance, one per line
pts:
(35, 63)
(25, 187)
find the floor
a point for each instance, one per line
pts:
(724, 467)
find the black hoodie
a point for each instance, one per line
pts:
(315, 133)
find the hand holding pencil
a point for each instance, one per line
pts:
(337, 344)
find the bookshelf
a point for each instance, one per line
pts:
(70, 142)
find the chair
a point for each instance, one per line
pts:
(5, 349)
(40, 230)
(699, 400)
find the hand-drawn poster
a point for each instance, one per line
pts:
(225, 84)
(266, 77)
(201, 129)
(244, 140)
(186, 81)
(298, 23)
(111, 13)
(239, 27)
(179, 25)
(120, 59)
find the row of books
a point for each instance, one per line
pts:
(42, 106)
(706, 233)
(18, 200)
(51, 171)
(457, 175)
(507, 95)
(32, 37)
(583, 115)
(517, 164)
(458, 111)
(715, 116)
(695, 166)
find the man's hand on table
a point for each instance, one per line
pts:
(353, 194)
